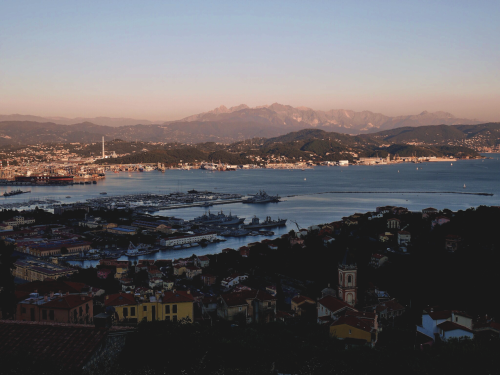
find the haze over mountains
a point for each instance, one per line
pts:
(339, 120)
(270, 120)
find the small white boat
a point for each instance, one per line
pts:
(464, 186)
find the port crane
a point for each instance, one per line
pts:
(298, 227)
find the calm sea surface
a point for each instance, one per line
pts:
(400, 184)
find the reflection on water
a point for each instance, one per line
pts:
(304, 207)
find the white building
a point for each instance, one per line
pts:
(233, 280)
(181, 240)
(446, 324)
(19, 220)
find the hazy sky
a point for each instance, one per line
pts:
(162, 60)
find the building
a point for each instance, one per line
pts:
(354, 329)
(32, 270)
(202, 261)
(247, 306)
(170, 306)
(440, 220)
(123, 230)
(377, 260)
(208, 279)
(192, 271)
(152, 226)
(56, 308)
(50, 248)
(393, 223)
(429, 211)
(19, 220)
(6, 227)
(445, 324)
(191, 238)
(301, 305)
(233, 280)
(331, 308)
(404, 237)
(121, 266)
(389, 309)
(62, 344)
(348, 279)
(452, 242)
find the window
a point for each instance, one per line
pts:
(87, 308)
(132, 311)
(456, 319)
(81, 311)
(144, 308)
(51, 314)
(240, 308)
(349, 331)
(349, 280)
(44, 314)
(23, 310)
(174, 309)
(125, 312)
(269, 304)
(167, 309)
(167, 318)
(174, 318)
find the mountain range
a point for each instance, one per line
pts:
(338, 120)
(29, 132)
(269, 120)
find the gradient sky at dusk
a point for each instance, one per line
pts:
(163, 60)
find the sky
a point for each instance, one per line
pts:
(162, 60)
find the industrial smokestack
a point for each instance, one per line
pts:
(103, 147)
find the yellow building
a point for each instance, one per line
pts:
(169, 306)
(349, 327)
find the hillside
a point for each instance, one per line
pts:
(310, 144)
(240, 122)
(338, 120)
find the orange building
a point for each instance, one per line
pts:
(56, 308)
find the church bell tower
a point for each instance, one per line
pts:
(348, 281)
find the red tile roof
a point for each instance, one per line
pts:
(68, 302)
(439, 315)
(120, 299)
(353, 322)
(300, 299)
(49, 285)
(68, 345)
(333, 304)
(451, 326)
(177, 297)
(361, 315)
(240, 298)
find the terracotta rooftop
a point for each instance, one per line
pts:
(49, 285)
(353, 322)
(300, 299)
(177, 297)
(120, 299)
(333, 304)
(451, 326)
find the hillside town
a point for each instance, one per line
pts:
(338, 276)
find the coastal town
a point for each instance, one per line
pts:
(340, 276)
(80, 163)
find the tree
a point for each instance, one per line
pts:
(64, 250)
(7, 286)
